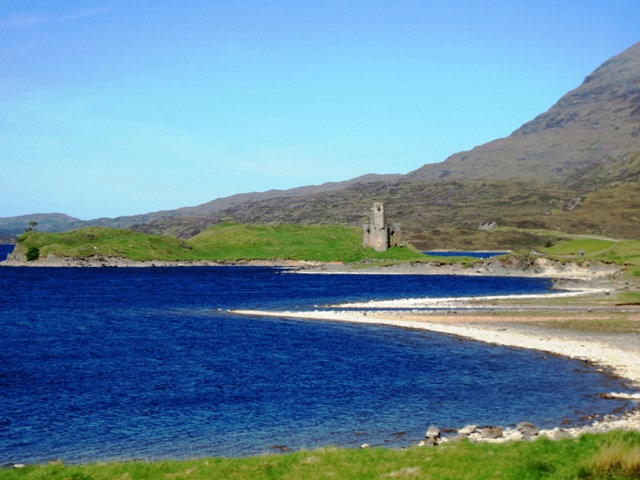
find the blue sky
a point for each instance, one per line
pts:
(115, 107)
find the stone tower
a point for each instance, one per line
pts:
(377, 233)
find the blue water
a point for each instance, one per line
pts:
(464, 254)
(5, 251)
(120, 363)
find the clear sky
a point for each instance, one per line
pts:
(119, 107)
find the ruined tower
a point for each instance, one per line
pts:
(377, 233)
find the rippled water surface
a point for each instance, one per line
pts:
(105, 363)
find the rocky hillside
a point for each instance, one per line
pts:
(588, 139)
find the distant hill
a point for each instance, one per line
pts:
(46, 222)
(56, 222)
(575, 167)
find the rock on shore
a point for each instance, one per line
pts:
(526, 431)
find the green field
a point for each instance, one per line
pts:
(615, 455)
(225, 242)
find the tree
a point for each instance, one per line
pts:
(32, 226)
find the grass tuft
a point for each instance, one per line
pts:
(616, 459)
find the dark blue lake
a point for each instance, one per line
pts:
(113, 363)
(5, 251)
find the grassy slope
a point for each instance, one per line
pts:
(453, 238)
(623, 252)
(222, 242)
(91, 241)
(297, 242)
(612, 455)
(609, 211)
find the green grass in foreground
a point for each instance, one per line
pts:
(225, 242)
(615, 455)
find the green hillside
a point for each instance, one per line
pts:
(108, 242)
(324, 243)
(225, 242)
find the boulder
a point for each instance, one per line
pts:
(527, 429)
(491, 432)
(432, 438)
(513, 435)
(433, 432)
(468, 430)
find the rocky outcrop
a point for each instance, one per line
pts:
(527, 429)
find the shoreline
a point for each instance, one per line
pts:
(479, 319)
(539, 267)
(53, 261)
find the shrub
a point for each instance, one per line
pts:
(33, 254)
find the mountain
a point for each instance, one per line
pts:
(589, 138)
(575, 167)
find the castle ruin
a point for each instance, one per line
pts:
(377, 234)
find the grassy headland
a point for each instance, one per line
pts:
(231, 242)
(614, 455)
(224, 242)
